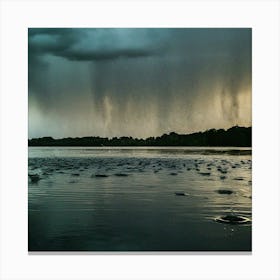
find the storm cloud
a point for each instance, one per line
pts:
(137, 82)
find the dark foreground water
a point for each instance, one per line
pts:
(138, 199)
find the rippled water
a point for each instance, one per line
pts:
(124, 199)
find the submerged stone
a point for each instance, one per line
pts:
(173, 173)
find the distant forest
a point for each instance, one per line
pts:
(235, 136)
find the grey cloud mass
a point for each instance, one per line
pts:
(137, 82)
(84, 44)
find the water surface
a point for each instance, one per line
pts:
(123, 199)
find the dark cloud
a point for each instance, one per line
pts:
(70, 44)
(100, 55)
(138, 82)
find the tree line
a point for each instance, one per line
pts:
(234, 136)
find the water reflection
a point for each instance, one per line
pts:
(80, 204)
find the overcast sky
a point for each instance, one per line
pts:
(137, 82)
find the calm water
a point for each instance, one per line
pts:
(123, 199)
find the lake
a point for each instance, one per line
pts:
(139, 199)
